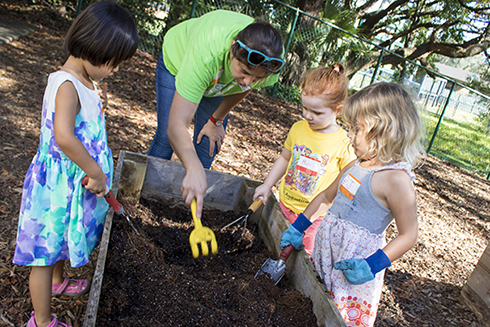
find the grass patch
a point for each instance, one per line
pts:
(463, 143)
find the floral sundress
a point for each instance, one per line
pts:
(59, 219)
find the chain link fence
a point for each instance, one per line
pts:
(457, 117)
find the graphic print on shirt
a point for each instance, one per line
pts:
(305, 169)
(220, 89)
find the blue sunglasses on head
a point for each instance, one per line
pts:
(256, 58)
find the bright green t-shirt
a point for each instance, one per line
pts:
(197, 53)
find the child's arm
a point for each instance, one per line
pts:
(326, 196)
(67, 107)
(399, 196)
(277, 172)
(294, 234)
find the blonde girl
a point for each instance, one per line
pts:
(350, 250)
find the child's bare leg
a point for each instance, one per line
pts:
(58, 270)
(40, 288)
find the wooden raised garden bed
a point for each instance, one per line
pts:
(158, 181)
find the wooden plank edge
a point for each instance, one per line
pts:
(93, 300)
(272, 224)
(472, 300)
(132, 176)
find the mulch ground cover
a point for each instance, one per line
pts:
(421, 289)
(153, 279)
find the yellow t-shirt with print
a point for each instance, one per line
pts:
(316, 160)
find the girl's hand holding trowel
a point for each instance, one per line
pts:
(262, 191)
(276, 173)
(294, 234)
(96, 185)
(291, 239)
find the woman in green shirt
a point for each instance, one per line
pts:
(207, 66)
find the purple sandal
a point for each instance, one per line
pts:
(81, 287)
(53, 323)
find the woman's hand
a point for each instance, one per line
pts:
(216, 135)
(194, 185)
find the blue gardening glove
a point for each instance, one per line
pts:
(294, 234)
(359, 271)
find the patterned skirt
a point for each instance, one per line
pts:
(337, 240)
(59, 219)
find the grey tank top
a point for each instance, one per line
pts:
(355, 201)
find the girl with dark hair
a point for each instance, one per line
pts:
(59, 218)
(207, 66)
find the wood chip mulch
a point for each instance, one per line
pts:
(421, 289)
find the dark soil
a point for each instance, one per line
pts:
(153, 278)
(421, 289)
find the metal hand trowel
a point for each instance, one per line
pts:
(276, 268)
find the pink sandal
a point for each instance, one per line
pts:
(81, 287)
(53, 323)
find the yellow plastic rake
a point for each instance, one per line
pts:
(201, 235)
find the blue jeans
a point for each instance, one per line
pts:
(165, 88)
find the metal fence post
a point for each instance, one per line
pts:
(362, 81)
(194, 4)
(79, 7)
(288, 42)
(440, 118)
(427, 97)
(380, 58)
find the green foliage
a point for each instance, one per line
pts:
(408, 70)
(288, 93)
(179, 10)
(56, 3)
(450, 28)
(483, 85)
(144, 12)
(405, 26)
(483, 119)
(252, 8)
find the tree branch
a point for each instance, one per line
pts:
(420, 53)
(464, 5)
(371, 19)
(366, 6)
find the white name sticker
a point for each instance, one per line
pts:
(310, 166)
(349, 186)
